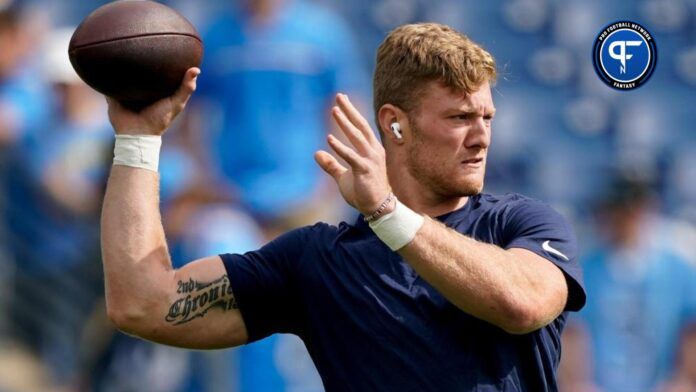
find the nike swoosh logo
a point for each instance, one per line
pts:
(550, 249)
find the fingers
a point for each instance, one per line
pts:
(356, 118)
(188, 86)
(329, 164)
(352, 133)
(348, 154)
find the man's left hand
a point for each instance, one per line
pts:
(365, 184)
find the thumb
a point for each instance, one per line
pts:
(329, 164)
(188, 86)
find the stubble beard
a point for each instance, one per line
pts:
(433, 175)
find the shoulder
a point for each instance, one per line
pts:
(320, 233)
(287, 251)
(504, 215)
(508, 201)
(326, 233)
(306, 234)
(512, 207)
(305, 248)
(515, 217)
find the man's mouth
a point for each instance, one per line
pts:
(473, 162)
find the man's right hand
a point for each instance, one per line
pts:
(156, 118)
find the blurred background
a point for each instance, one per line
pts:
(237, 169)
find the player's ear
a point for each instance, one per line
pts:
(391, 123)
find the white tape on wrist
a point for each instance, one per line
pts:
(399, 227)
(138, 151)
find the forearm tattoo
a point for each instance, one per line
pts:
(198, 298)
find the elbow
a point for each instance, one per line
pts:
(126, 318)
(523, 319)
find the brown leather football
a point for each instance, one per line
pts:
(136, 51)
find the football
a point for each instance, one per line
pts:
(135, 51)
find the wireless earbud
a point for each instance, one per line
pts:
(396, 129)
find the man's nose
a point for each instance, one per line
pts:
(479, 134)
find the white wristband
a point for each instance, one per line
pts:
(138, 151)
(399, 227)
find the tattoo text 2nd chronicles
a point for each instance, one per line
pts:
(199, 299)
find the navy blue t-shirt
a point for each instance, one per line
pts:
(371, 323)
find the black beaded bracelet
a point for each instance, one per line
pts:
(381, 208)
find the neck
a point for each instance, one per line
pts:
(419, 198)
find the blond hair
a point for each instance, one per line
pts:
(415, 54)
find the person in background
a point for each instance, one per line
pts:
(270, 72)
(24, 109)
(642, 308)
(57, 181)
(23, 95)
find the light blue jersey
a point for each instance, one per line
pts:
(640, 302)
(272, 86)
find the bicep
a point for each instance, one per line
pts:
(548, 278)
(198, 308)
(543, 232)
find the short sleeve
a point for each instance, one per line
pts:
(537, 227)
(265, 285)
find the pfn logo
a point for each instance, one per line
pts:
(624, 55)
(621, 55)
